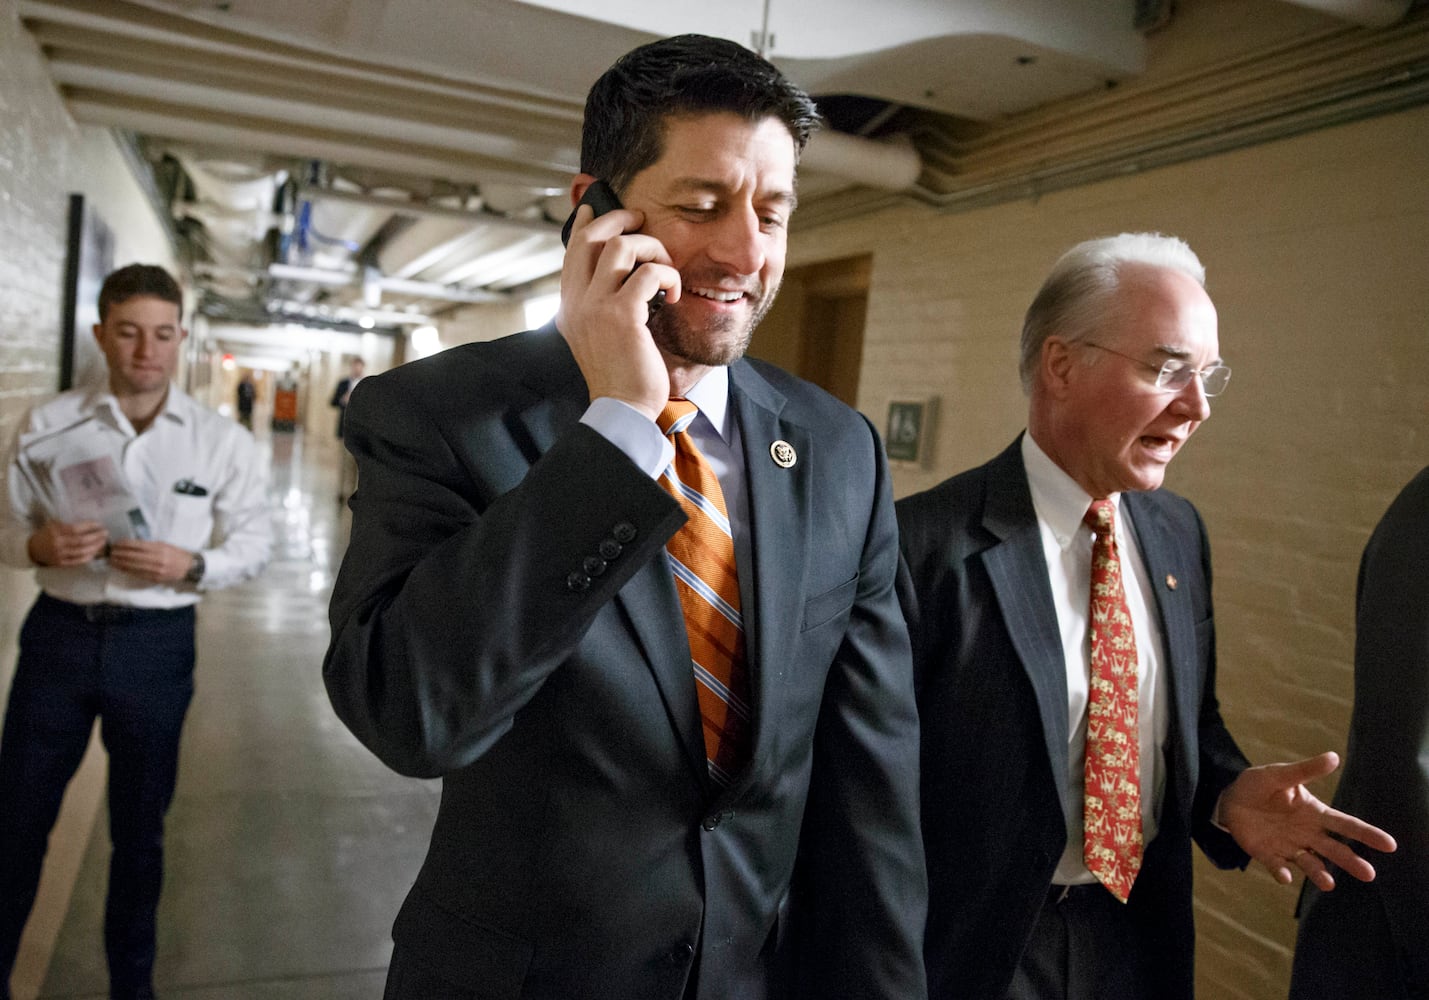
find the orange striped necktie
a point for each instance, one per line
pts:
(1112, 822)
(702, 556)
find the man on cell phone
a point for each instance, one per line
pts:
(632, 597)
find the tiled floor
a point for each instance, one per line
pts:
(290, 847)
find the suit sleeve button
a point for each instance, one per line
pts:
(593, 565)
(712, 821)
(578, 583)
(624, 532)
(609, 548)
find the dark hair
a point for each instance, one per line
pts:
(138, 279)
(626, 110)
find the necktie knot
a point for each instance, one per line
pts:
(1100, 517)
(676, 416)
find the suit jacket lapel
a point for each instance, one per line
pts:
(1017, 567)
(771, 592)
(1164, 559)
(648, 600)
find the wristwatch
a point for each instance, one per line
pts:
(195, 573)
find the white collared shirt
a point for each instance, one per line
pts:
(198, 477)
(716, 434)
(1067, 545)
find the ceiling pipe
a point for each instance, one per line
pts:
(426, 209)
(1369, 13)
(888, 164)
(399, 286)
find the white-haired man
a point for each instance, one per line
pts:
(1062, 630)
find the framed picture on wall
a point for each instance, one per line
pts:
(910, 429)
(89, 257)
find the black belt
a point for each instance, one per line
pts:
(1058, 895)
(113, 613)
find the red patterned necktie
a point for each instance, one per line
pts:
(702, 556)
(1112, 821)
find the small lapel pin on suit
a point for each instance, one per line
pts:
(783, 454)
(1170, 582)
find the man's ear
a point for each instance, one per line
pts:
(1056, 362)
(579, 185)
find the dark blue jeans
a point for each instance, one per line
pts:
(133, 670)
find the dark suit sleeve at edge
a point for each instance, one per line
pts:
(451, 608)
(862, 887)
(1221, 760)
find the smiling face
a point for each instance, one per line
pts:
(140, 338)
(719, 200)
(1100, 416)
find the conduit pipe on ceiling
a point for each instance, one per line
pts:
(890, 164)
(397, 286)
(1370, 13)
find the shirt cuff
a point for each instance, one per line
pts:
(632, 432)
(1216, 815)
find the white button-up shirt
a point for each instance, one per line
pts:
(198, 478)
(1067, 546)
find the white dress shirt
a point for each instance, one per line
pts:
(1067, 545)
(715, 432)
(198, 477)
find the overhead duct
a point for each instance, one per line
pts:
(889, 164)
(399, 286)
(1370, 13)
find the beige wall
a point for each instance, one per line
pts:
(479, 323)
(1316, 251)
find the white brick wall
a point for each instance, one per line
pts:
(1315, 249)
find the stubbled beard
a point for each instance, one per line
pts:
(723, 341)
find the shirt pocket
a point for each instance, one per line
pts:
(188, 521)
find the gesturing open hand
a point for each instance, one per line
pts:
(1276, 820)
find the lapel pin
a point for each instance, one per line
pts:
(783, 454)
(1170, 582)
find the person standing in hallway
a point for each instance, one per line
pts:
(246, 392)
(1373, 940)
(129, 499)
(341, 394)
(1060, 607)
(632, 597)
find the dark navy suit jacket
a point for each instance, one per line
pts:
(505, 618)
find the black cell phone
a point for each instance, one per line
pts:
(602, 199)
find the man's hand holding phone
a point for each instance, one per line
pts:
(611, 273)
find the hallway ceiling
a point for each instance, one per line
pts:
(326, 160)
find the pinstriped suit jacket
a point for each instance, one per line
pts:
(993, 704)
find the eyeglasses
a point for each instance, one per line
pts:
(1173, 375)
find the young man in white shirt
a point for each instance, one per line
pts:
(128, 498)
